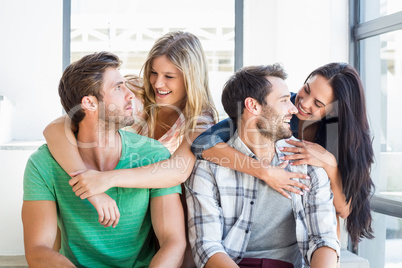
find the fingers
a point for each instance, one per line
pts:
(106, 217)
(73, 181)
(294, 190)
(292, 157)
(101, 215)
(109, 221)
(283, 164)
(299, 162)
(78, 192)
(113, 219)
(300, 186)
(295, 150)
(284, 193)
(117, 213)
(295, 143)
(108, 211)
(76, 173)
(85, 195)
(299, 176)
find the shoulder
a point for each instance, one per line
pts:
(203, 169)
(205, 119)
(41, 173)
(41, 158)
(201, 164)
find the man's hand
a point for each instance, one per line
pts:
(109, 214)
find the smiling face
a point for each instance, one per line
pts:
(167, 82)
(117, 100)
(274, 121)
(315, 99)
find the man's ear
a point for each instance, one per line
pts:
(89, 103)
(252, 106)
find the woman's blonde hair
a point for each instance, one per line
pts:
(184, 50)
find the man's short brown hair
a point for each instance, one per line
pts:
(84, 78)
(247, 82)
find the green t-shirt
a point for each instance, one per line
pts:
(83, 240)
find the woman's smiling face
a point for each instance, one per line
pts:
(167, 82)
(315, 99)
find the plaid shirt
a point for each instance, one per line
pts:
(221, 207)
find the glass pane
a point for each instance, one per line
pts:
(382, 75)
(373, 9)
(129, 28)
(385, 249)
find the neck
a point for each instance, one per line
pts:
(169, 114)
(99, 145)
(262, 146)
(307, 130)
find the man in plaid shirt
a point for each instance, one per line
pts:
(238, 220)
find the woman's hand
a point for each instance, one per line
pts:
(90, 182)
(109, 214)
(308, 153)
(281, 180)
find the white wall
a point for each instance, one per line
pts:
(12, 169)
(302, 35)
(30, 67)
(31, 63)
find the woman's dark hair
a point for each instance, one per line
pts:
(355, 151)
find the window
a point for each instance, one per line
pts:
(129, 28)
(378, 43)
(370, 10)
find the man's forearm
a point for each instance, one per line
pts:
(42, 256)
(324, 257)
(170, 254)
(220, 260)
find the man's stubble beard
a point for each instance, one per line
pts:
(270, 125)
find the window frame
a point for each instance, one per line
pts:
(359, 31)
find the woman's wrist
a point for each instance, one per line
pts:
(260, 170)
(113, 179)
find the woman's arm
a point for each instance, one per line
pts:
(211, 146)
(219, 133)
(315, 155)
(341, 207)
(177, 169)
(63, 146)
(163, 174)
(275, 176)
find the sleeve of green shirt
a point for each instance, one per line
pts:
(36, 185)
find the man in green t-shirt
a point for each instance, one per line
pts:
(95, 96)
